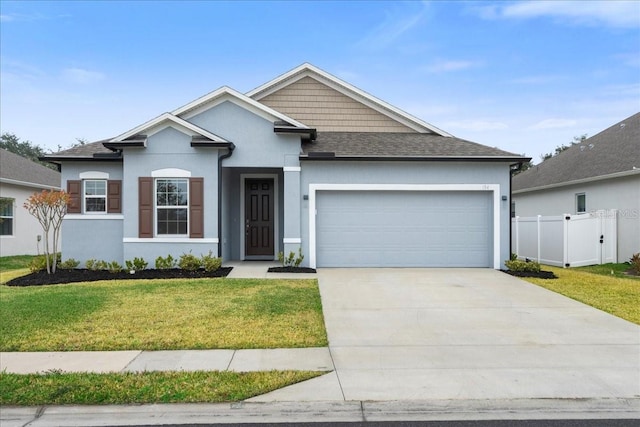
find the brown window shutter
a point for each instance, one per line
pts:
(145, 207)
(114, 196)
(74, 188)
(196, 207)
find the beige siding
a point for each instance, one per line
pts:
(326, 109)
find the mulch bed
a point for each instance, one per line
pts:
(539, 275)
(83, 275)
(291, 270)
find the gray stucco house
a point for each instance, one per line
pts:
(600, 173)
(20, 232)
(306, 161)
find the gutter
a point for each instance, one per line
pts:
(229, 153)
(622, 174)
(333, 157)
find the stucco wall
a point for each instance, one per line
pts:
(620, 193)
(327, 172)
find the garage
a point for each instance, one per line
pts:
(404, 228)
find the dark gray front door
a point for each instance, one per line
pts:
(259, 221)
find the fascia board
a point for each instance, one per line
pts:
(579, 181)
(168, 117)
(226, 93)
(28, 184)
(347, 89)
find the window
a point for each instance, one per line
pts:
(172, 206)
(581, 203)
(95, 196)
(6, 216)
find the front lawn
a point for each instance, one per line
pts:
(146, 387)
(162, 315)
(619, 296)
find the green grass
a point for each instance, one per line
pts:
(148, 387)
(162, 315)
(619, 296)
(15, 262)
(611, 269)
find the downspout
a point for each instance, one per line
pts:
(231, 147)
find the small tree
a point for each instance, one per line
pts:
(49, 207)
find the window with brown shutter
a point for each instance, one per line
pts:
(74, 188)
(114, 196)
(145, 207)
(196, 206)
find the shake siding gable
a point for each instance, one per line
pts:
(319, 106)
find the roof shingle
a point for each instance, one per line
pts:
(18, 168)
(614, 150)
(400, 145)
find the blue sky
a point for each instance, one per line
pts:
(523, 76)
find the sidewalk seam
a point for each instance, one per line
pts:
(231, 360)
(131, 361)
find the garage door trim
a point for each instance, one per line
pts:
(494, 188)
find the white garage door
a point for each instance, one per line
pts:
(404, 229)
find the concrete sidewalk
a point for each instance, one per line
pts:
(304, 412)
(298, 359)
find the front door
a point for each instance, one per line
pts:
(258, 215)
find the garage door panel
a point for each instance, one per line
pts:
(403, 229)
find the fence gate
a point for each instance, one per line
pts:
(567, 240)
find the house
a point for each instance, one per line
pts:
(304, 162)
(20, 232)
(600, 173)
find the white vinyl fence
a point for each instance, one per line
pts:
(567, 240)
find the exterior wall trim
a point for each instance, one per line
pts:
(97, 216)
(291, 169)
(494, 188)
(292, 240)
(93, 175)
(276, 210)
(169, 240)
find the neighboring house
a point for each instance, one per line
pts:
(305, 161)
(20, 232)
(602, 172)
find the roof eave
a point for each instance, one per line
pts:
(579, 181)
(333, 156)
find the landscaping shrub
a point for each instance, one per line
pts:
(69, 264)
(523, 266)
(114, 267)
(189, 262)
(95, 265)
(291, 260)
(137, 264)
(165, 263)
(210, 263)
(635, 263)
(39, 263)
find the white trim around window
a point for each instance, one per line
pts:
(494, 188)
(93, 175)
(92, 185)
(170, 173)
(170, 207)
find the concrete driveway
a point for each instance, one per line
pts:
(416, 334)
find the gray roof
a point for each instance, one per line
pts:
(85, 150)
(17, 168)
(614, 150)
(402, 145)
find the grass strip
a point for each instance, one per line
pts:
(54, 388)
(162, 315)
(615, 295)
